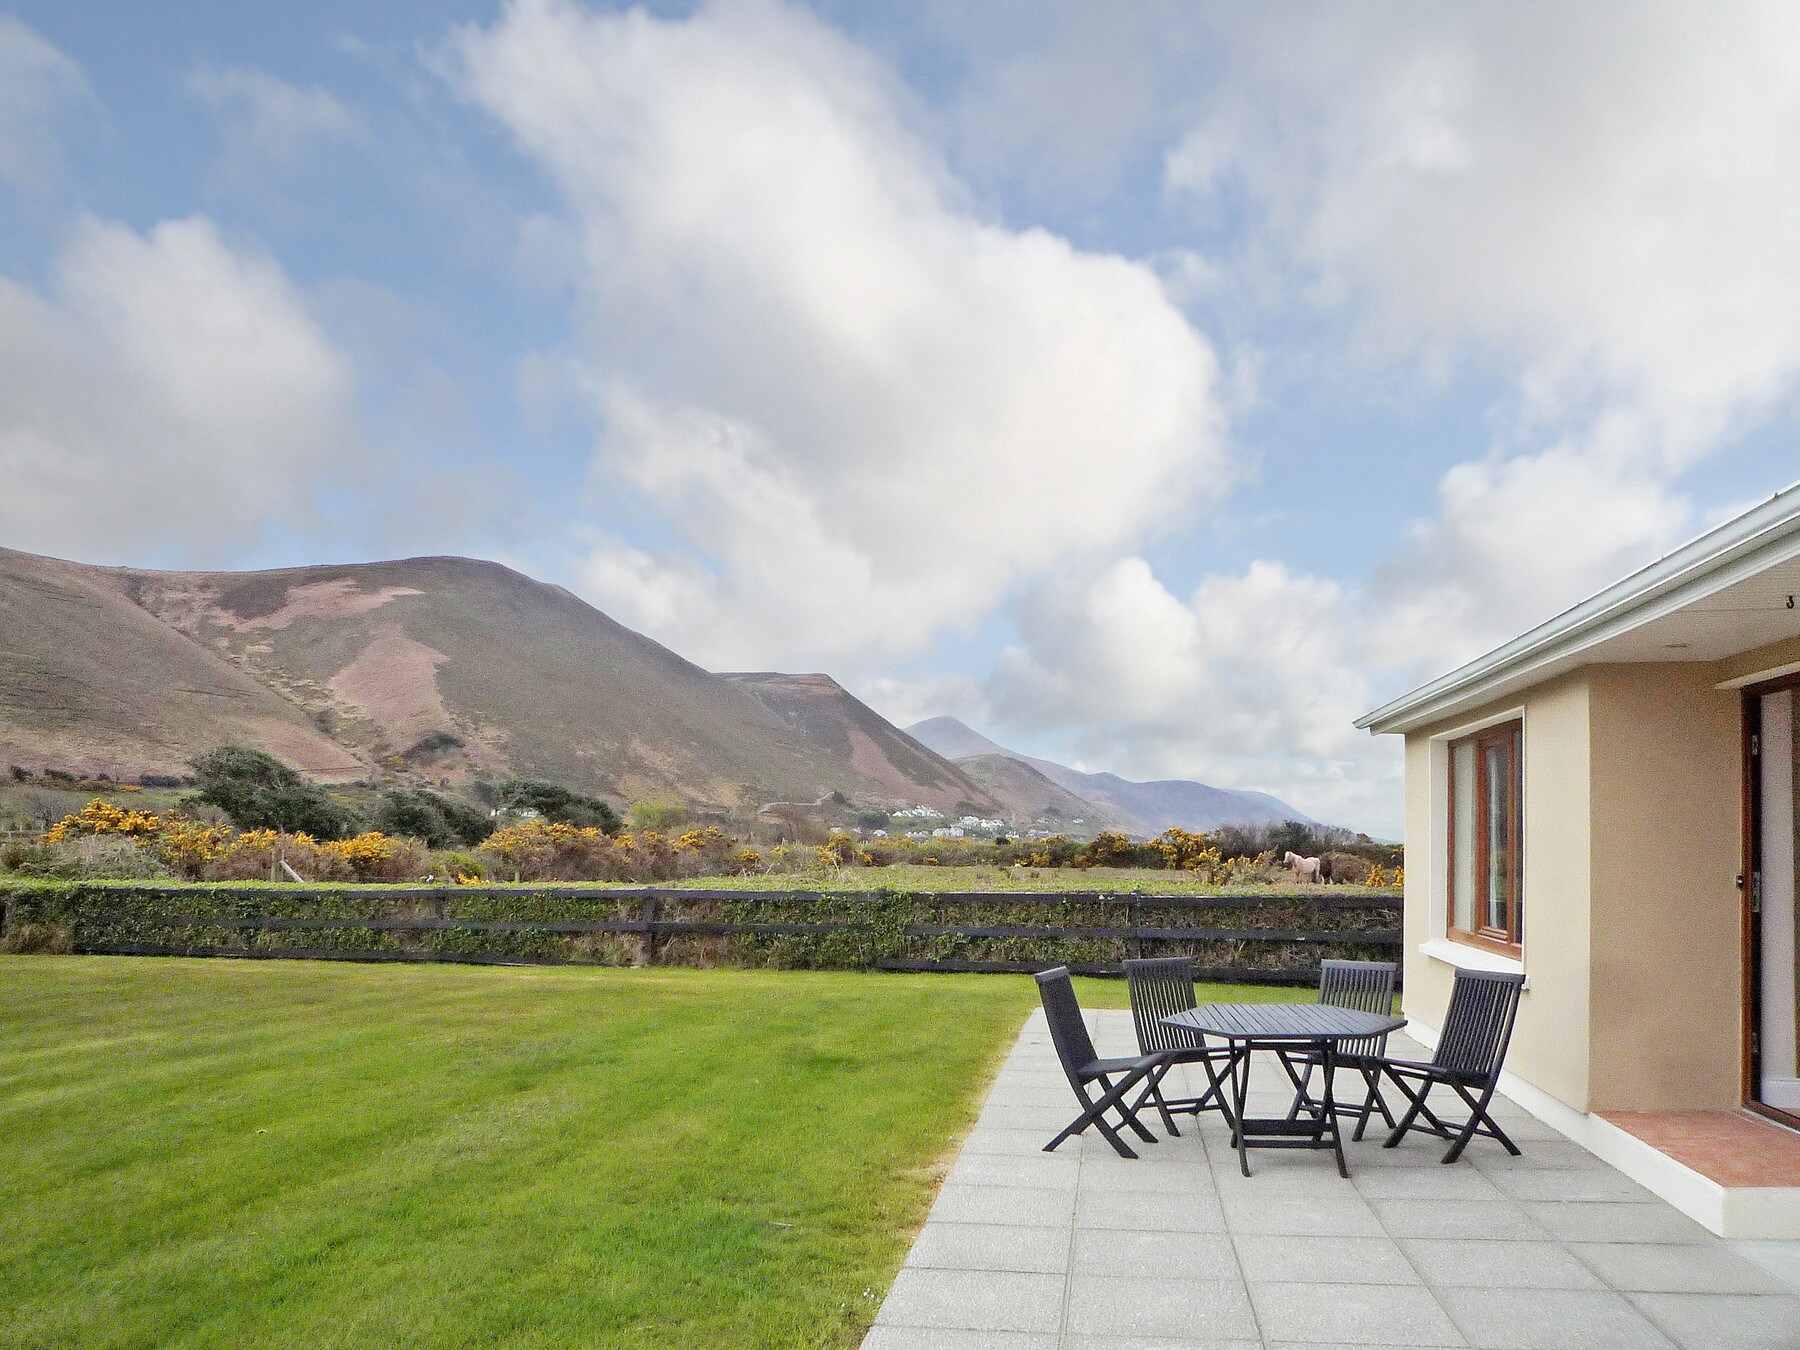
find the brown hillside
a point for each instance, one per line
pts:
(1028, 795)
(820, 711)
(447, 667)
(91, 683)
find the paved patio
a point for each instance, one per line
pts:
(1083, 1250)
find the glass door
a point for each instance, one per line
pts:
(1773, 1015)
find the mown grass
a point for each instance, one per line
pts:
(238, 1153)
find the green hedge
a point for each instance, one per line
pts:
(1281, 935)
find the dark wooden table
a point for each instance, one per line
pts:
(1249, 1027)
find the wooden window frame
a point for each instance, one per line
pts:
(1507, 941)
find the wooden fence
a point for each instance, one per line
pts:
(417, 921)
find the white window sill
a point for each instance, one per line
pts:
(1465, 957)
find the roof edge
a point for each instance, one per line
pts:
(1615, 609)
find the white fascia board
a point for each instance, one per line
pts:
(1751, 543)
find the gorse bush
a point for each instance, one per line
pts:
(146, 844)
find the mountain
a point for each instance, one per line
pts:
(1140, 808)
(820, 711)
(441, 667)
(90, 681)
(1030, 796)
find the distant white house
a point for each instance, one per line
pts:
(919, 813)
(947, 832)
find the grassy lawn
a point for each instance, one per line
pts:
(237, 1153)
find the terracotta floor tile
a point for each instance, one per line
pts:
(1733, 1148)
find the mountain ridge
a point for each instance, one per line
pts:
(1148, 808)
(442, 668)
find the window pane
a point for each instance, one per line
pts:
(1462, 841)
(1497, 776)
(1518, 839)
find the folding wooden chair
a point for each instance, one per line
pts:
(1470, 1050)
(1160, 987)
(1075, 1048)
(1367, 986)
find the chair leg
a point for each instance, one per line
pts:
(1416, 1105)
(1154, 1094)
(1127, 1114)
(1162, 1109)
(1301, 1083)
(1479, 1116)
(1095, 1113)
(1371, 1104)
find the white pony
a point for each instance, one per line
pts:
(1306, 869)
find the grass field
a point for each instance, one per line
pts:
(237, 1153)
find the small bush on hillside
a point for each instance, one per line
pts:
(441, 822)
(557, 804)
(258, 792)
(660, 816)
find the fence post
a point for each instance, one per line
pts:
(649, 930)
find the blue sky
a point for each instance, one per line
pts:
(1154, 386)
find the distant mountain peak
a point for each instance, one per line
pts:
(1141, 808)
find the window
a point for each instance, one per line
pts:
(1486, 903)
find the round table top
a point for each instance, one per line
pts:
(1284, 1021)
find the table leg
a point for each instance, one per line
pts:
(1240, 1091)
(1328, 1055)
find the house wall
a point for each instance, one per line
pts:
(1550, 1047)
(1632, 783)
(1665, 989)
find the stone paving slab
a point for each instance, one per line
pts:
(1083, 1250)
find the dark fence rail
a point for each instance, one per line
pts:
(1271, 937)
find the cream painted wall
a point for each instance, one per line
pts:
(1550, 1046)
(1666, 983)
(1632, 780)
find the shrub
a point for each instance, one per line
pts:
(258, 792)
(547, 850)
(441, 822)
(661, 817)
(558, 805)
(86, 858)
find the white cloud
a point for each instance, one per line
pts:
(36, 80)
(1597, 199)
(1249, 682)
(862, 411)
(270, 126)
(164, 387)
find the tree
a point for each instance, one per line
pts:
(258, 792)
(557, 803)
(441, 822)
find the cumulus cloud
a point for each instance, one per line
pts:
(856, 410)
(270, 126)
(163, 386)
(1249, 681)
(1597, 200)
(36, 80)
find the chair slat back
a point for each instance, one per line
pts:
(1366, 986)
(1068, 1030)
(1160, 987)
(1479, 1023)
